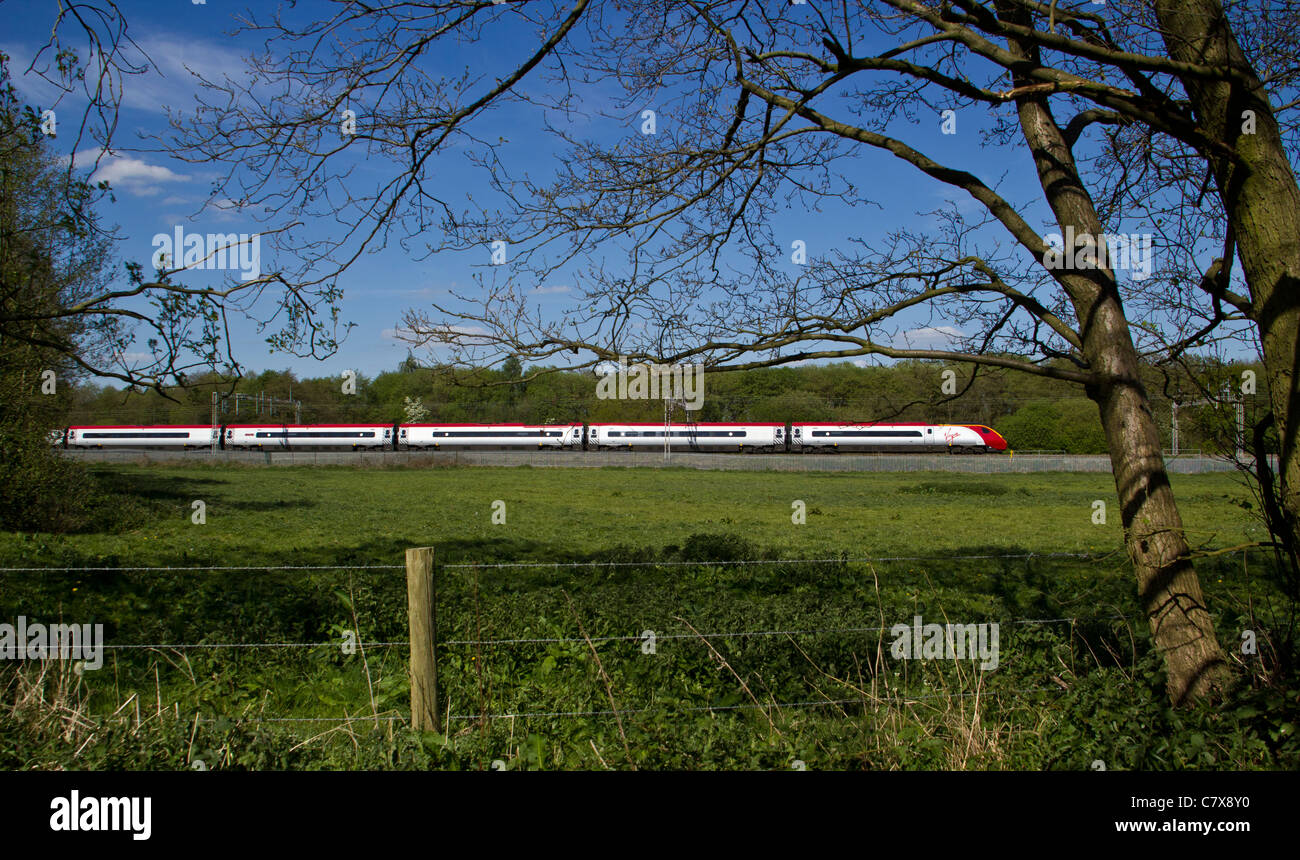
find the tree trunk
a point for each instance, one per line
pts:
(1262, 200)
(1168, 587)
(1170, 592)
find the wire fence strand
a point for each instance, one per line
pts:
(774, 706)
(201, 567)
(890, 697)
(887, 698)
(595, 640)
(567, 564)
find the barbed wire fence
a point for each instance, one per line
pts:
(428, 653)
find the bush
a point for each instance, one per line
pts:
(1071, 425)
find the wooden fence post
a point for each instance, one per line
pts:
(421, 594)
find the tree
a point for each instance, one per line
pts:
(1252, 172)
(50, 258)
(413, 410)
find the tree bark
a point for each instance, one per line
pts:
(1260, 195)
(1170, 592)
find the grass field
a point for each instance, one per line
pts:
(765, 664)
(326, 515)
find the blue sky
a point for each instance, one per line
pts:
(155, 193)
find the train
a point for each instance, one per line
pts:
(751, 437)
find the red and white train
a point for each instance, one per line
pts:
(795, 437)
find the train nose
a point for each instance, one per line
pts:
(991, 437)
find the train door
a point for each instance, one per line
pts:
(692, 436)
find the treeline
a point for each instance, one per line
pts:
(1033, 413)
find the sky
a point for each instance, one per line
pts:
(155, 194)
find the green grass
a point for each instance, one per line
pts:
(1064, 694)
(328, 515)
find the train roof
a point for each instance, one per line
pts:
(688, 423)
(880, 424)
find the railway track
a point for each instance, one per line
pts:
(819, 462)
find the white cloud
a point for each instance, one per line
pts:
(405, 291)
(175, 64)
(224, 210)
(134, 360)
(399, 333)
(469, 329)
(928, 337)
(551, 290)
(132, 175)
(135, 175)
(428, 291)
(178, 60)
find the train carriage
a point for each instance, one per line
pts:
(137, 436)
(689, 437)
(528, 436)
(300, 436)
(908, 437)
